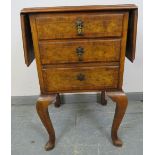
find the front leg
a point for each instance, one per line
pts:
(121, 104)
(42, 110)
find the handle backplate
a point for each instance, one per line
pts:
(79, 26)
(80, 52)
(81, 77)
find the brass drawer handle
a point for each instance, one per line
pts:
(79, 52)
(79, 26)
(81, 77)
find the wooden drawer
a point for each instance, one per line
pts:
(92, 50)
(79, 25)
(80, 78)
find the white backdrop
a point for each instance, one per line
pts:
(25, 80)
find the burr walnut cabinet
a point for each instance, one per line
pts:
(80, 49)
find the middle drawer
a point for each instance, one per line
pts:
(89, 50)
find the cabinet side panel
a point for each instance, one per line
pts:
(36, 51)
(123, 49)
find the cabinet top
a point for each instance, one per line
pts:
(79, 8)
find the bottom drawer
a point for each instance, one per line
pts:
(80, 78)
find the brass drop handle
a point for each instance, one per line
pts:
(79, 27)
(79, 52)
(81, 77)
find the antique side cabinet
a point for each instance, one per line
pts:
(78, 49)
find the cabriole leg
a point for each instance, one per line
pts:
(121, 104)
(42, 110)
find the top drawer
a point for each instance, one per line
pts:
(79, 25)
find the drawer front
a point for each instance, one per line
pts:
(80, 78)
(76, 25)
(93, 50)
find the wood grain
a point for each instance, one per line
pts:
(123, 47)
(80, 8)
(94, 50)
(36, 51)
(27, 39)
(132, 33)
(42, 110)
(91, 61)
(121, 104)
(64, 25)
(60, 79)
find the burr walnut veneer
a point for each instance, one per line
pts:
(78, 49)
